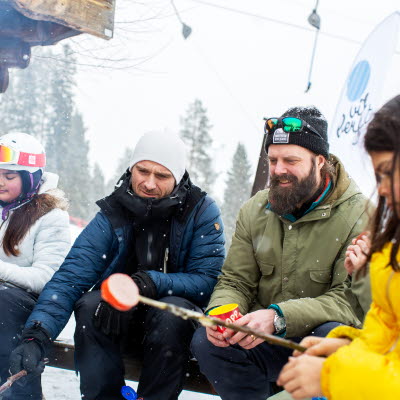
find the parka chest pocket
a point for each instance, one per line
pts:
(320, 282)
(269, 284)
(266, 269)
(321, 275)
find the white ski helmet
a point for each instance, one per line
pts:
(21, 152)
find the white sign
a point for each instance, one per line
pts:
(360, 98)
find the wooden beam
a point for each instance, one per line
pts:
(262, 173)
(14, 53)
(4, 79)
(14, 25)
(91, 16)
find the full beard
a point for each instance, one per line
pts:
(284, 200)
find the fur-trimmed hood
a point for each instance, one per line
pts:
(48, 185)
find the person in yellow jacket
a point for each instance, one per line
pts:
(364, 364)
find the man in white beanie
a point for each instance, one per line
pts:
(167, 234)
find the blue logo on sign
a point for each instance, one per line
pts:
(358, 80)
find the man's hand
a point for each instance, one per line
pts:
(30, 353)
(114, 323)
(110, 321)
(145, 284)
(261, 320)
(357, 253)
(216, 337)
(317, 346)
(301, 376)
(27, 356)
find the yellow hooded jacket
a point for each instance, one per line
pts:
(369, 368)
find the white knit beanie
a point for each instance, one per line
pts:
(164, 148)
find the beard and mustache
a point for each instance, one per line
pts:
(285, 200)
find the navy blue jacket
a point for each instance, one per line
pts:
(196, 249)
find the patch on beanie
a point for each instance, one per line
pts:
(280, 136)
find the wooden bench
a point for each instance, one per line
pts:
(62, 356)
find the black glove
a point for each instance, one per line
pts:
(114, 323)
(110, 321)
(145, 284)
(29, 355)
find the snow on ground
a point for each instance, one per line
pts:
(60, 384)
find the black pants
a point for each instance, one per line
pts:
(237, 373)
(162, 338)
(15, 306)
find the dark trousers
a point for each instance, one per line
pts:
(159, 336)
(238, 374)
(15, 306)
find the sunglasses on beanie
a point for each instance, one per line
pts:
(289, 124)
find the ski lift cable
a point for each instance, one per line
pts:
(312, 61)
(331, 11)
(277, 21)
(202, 55)
(176, 12)
(186, 29)
(315, 21)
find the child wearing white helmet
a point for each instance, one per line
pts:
(34, 237)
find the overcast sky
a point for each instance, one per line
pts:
(244, 60)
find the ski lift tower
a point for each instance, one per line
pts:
(27, 23)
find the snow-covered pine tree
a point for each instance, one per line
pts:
(237, 190)
(40, 101)
(59, 154)
(195, 133)
(123, 164)
(75, 177)
(9, 108)
(67, 148)
(97, 189)
(24, 107)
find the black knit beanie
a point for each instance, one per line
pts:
(304, 139)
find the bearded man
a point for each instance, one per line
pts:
(285, 268)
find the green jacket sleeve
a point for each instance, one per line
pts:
(359, 294)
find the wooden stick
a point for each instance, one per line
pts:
(5, 386)
(211, 321)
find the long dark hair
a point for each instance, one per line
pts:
(383, 134)
(22, 219)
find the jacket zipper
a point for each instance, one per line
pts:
(166, 259)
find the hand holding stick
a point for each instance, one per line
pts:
(5, 386)
(121, 292)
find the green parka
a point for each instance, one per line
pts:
(297, 265)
